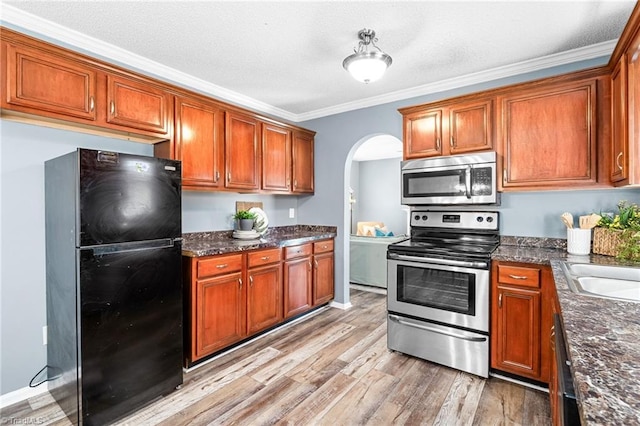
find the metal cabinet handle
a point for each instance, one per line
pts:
(240, 282)
(500, 301)
(618, 161)
(518, 277)
(504, 176)
(92, 103)
(438, 144)
(217, 176)
(221, 266)
(295, 183)
(113, 108)
(229, 177)
(315, 263)
(309, 265)
(251, 280)
(452, 142)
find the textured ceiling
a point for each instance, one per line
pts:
(286, 57)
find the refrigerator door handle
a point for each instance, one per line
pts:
(132, 246)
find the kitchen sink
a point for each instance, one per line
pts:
(611, 282)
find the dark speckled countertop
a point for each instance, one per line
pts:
(199, 244)
(603, 336)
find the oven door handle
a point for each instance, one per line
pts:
(467, 182)
(446, 262)
(435, 330)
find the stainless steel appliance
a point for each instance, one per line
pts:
(438, 289)
(565, 396)
(450, 180)
(114, 282)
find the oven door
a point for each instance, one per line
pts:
(446, 291)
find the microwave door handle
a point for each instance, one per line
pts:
(467, 182)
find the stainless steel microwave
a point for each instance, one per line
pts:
(455, 179)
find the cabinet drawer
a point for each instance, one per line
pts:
(323, 246)
(264, 257)
(219, 265)
(518, 275)
(298, 251)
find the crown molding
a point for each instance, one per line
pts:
(49, 31)
(598, 50)
(55, 33)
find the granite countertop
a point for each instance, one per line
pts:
(602, 335)
(199, 244)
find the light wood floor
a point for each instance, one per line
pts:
(331, 369)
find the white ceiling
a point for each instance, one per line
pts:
(285, 58)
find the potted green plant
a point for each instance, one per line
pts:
(619, 234)
(245, 220)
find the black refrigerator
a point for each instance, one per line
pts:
(114, 282)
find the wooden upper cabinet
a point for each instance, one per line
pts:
(199, 143)
(471, 127)
(631, 150)
(303, 162)
(423, 134)
(48, 85)
(242, 151)
(619, 167)
(276, 158)
(449, 127)
(548, 136)
(139, 105)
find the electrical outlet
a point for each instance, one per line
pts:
(44, 335)
(292, 213)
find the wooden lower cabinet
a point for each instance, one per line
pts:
(264, 291)
(521, 317)
(323, 273)
(231, 297)
(297, 284)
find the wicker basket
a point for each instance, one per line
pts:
(606, 241)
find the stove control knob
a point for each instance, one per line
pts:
(417, 217)
(479, 219)
(489, 219)
(424, 217)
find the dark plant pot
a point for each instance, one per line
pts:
(245, 224)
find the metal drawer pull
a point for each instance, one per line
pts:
(518, 277)
(92, 104)
(113, 108)
(500, 301)
(265, 258)
(618, 161)
(251, 280)
(435, 330)
(315, 262)
(224, 265)
(240, 282)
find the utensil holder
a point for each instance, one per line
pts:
(578, 241)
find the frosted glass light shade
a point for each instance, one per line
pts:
(367, 67)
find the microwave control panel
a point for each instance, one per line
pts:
(481, 181)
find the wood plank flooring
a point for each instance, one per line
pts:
(333, 368)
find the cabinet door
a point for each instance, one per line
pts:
(276, 158)
(264, 297)
(219, 313)
(137, 105)
(199, 143)
(322, 278)
(471, 127)
(516, 336)
(48, 83)
(297, 286)
(242, 152)
(549, 137)
(423, 134)
(632, 153)
(619, 158)
(303, 169)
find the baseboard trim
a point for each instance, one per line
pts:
(343, 306)
(20, 395)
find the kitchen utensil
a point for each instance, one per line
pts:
(589, 221)
(567, 219)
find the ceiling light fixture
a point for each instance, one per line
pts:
(367, 65)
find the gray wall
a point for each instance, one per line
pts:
(338, 137)
(378, 197)
(23, 150)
